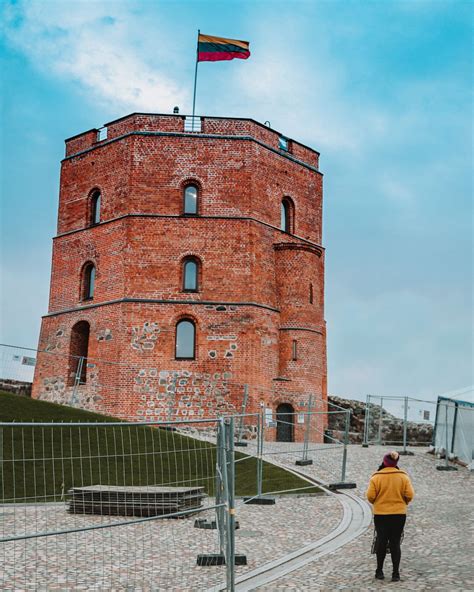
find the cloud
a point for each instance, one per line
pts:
(351, 87)
(287, 91)
(97, 45)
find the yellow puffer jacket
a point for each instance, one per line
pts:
(390, 491)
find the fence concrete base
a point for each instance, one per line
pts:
(206, 524)
(212, 559)
(334, 486)
(260, 501)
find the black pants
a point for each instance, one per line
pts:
(389, 529)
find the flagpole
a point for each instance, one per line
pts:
(195, 78)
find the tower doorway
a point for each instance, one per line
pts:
(285, 423)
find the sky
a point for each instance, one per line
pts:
(383, 89)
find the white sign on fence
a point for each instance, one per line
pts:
(268, 416)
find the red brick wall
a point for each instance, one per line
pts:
(254, 294)
(108, 168)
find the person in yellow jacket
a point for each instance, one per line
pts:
(390, 491)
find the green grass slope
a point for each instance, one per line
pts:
(40, 464)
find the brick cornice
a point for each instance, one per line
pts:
(312, 248)
(181, 217)
(195, 135)
(301, 329)
(158, 301)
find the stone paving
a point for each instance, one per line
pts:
(157, 555)
(161, 555)
(438, 548)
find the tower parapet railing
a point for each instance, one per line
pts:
(169, 124)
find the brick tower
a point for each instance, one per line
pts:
(186, 265)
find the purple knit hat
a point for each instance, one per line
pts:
(391, 459)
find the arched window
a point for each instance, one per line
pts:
(95, 207)
(78, 352)
(185, 340)
(286, 215)
(190, 206)
(190, 274)
(88, 281)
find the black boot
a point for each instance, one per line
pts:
(395, 576)
(379, 574)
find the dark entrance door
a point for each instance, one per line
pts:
(285, 421)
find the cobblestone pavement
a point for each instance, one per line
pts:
(161, 555)
(157, 555)
(438, 548)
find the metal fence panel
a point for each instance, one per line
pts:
(109, 505)
(257, 439)
(402, 421)
(16, 364)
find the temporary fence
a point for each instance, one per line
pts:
(454, 429)
(184, 428)
(135, 389)
(307, 443)
(139, 390)
(402, 421)
(112, 505)
(17, 364)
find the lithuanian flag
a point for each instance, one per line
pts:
(214, 49)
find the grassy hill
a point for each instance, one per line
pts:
(40, 464)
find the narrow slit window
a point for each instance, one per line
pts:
(88, 284)
(311, 296)
(191, 200)
(95, 209)
(185, 340)
(286, 215)
(294, 350)
(190, 275)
